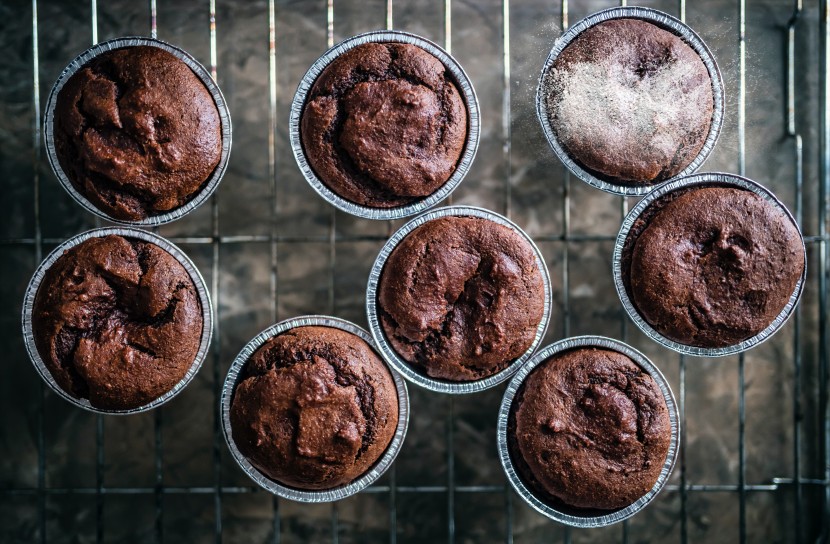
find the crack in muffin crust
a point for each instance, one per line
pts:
(384, 125)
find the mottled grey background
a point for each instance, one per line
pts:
(102, 478)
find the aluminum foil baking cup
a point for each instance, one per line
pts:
(325, 495)
(411, 373)
(591, 518)
(467, 93)
(224, 118)
(701, 180)
(178, 254)
(667, 22)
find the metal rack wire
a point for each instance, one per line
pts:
(810, 495)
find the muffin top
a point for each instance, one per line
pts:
(117, 321)
(712, 266)
(136, 132)
(384, 125)
(460, 298)
(590, 429)
(629, 101)
(314, 408)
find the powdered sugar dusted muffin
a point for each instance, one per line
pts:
(630, 101)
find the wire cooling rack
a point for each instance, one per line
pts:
(754, 459)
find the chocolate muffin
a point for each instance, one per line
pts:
(589, 429)
(629, 101)
(117, 321)
(384, 125)
(712, 266)
(314, 408)
(460, 298)
(137, 132)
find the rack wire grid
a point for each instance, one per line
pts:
(754, 459)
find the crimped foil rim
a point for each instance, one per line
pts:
(326, 495)
(504, 413)
(470, 145)
(702, 180)
(392, 357)
(204, 76)
(667, 22)
(166, 245)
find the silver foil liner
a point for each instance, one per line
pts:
(590, 518)
(178, 254)
(204, 76)
(667, 22)
(464, 162)
(701, 180)
(326, 495)
(411, 373)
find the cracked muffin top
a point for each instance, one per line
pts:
(314, 408)
(460, 298)
(629, 101)
(712, 266)
(136, 132)
(384, 125)
(589, 428)
(117, 321)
